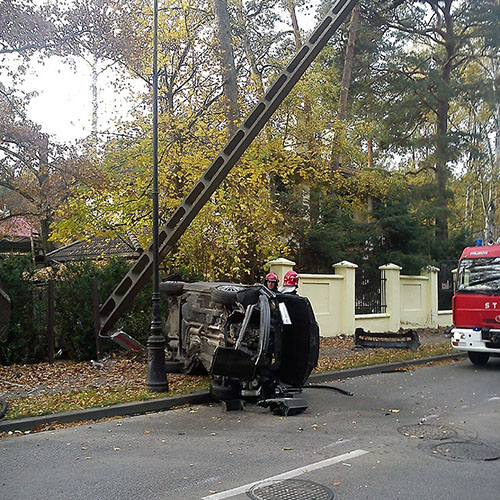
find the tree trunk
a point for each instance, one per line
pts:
(247, 46)
(290, 5)
(348, 61)
(309, 141)
(370, 152)
(441, 138)
(94, 97)
(347, 71)
(495, 66)
(229, 80)
(43, 177)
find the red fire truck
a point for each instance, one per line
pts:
(476, 304)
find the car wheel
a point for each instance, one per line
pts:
(223, 391)
(171, 287)
(478, 358)
(226, 294)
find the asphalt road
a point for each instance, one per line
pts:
(368, 446)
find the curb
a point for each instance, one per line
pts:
(162, 404)
(388, 367)
(118, 410)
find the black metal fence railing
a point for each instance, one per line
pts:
(370, 293)
(445, 284)
(41, 309)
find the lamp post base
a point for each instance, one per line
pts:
(156, 379)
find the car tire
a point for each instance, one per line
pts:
(224, 391)
(171, 288)
(478, 358)
(225, 294)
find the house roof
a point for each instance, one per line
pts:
(17, 227)
(97, 248)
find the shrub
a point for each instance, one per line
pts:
(26, 341)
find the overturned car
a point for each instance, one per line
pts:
(257, 344)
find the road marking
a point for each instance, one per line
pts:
(287, 475)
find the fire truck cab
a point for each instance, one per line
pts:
(476, 304)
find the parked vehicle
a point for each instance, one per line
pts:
(256, 343)
(476, 304)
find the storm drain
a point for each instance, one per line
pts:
(467, 450)
(290, 489)
(427, 431)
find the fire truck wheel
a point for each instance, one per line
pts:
(478, 358)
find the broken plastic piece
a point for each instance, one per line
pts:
(284, 406)
(125, 340)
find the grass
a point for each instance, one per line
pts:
(382, 356)
(93, 397)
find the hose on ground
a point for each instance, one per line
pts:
(331, 387)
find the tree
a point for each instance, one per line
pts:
(36, 173)
(228, 68)
(426, 81)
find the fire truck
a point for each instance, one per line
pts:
(476, 304)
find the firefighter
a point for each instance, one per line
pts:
(290, 283)
(271, 281)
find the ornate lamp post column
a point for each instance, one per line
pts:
(157, 377)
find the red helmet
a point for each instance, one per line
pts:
(291, 279)
(272, 277)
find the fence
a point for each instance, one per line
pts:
(369, 292)
(34, 332)
(410, 301)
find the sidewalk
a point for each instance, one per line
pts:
(337, 351)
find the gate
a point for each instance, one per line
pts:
(445, 285)
(370, 291)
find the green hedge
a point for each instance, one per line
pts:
(26, 341)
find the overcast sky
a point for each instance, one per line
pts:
(64, 105)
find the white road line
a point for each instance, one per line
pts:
(288, 475)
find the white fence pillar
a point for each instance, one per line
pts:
(347, 298)
(392, 295)
(431, 272)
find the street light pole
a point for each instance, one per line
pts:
(157, 377)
